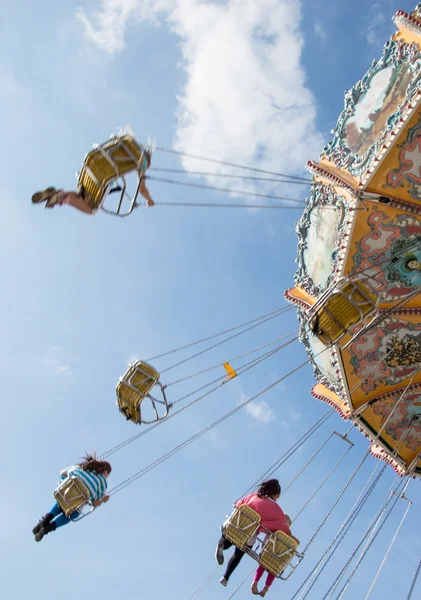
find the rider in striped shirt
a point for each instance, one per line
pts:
(93, 473)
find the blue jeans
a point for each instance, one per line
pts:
(60, 518)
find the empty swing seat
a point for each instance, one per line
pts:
(71, 495)
(107, 163)
(341, 307)
(277, 553)
(242, 525)
(135, 387)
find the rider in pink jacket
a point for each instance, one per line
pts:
(272, 518)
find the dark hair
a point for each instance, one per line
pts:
(269, 488)
(90, 463)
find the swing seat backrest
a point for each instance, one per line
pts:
(347, 304)
(71, 495)
(115, 158)
(242, 525)
(133, 387)
(277, 552)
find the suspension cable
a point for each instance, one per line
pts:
(373, 523)
(230, 360)
(202, 432)
(414, 581)
(231, 337)
(230, 176)
(386, 556)
(205, 583)
(293, 448)
(216, 205)
(202, 186)
(344, 528)
(379, 511)
(228, 164)
(280, 461)
(363, 496)
(143, 432)
(240, 585)
(322, 483)
(294, 479)
(222, 379)
(331, 509)
(375, 530)
(211, 337)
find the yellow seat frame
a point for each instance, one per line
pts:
(134, 387)
(108, 163)
(242, 525)
(277, 553)
(243, 528)
(72, 495)
(340, 308)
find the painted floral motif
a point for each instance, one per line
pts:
(373, 107)
(319, 231)
(409, 171)
(391, 254)
(375, 356)
(405, 422)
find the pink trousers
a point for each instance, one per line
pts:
(259, 572)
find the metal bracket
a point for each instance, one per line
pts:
(343, 437)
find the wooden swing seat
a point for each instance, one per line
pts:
(71, 495)
(242, 525)
(278, 552)
(340, 308)
(134, 387)
(107, 163)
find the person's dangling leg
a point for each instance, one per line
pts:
(72, 199)
(222, 545)
(50, 525)
(269, 580)
(257, 576)
(233, 562)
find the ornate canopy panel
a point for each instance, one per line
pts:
(363, 220)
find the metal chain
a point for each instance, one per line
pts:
(135, 437)
(211, 337)
(261, 322)
(203, 186)
(240, 370)
(280, 461)
(366, 533)
(205, 584)
(294, 479)
(211, 205)
(240, 585)
(414, 581)
(228, 164)
(386, 556)
(373, 535)
(202, 432)
(401, 442)
(229, 176)
(230, 360)
(333, 469)
(363, 496)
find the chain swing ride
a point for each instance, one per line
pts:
(357, 295)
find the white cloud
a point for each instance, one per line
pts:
(319, 30)
(375, 30)
(244, 99)
(260, 411)
(55, 360)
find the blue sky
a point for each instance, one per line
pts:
(253, 83)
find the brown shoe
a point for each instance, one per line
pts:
(43, 196)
